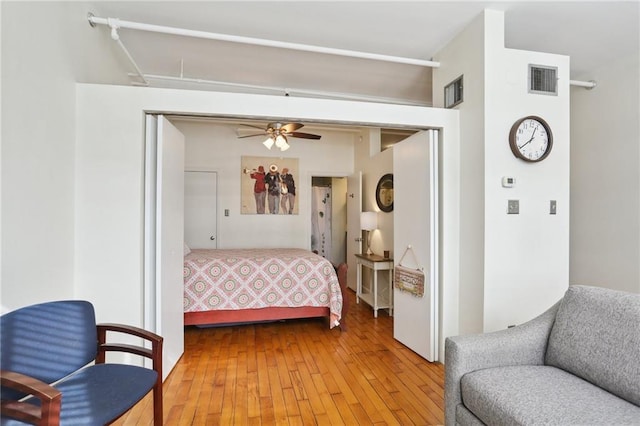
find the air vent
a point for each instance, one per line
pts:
(453, 93)
(543, 80)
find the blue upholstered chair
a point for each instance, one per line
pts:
(60, 343)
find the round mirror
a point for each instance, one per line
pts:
(384, 193)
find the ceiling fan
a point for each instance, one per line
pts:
(277, 134)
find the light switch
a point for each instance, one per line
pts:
(513, 207)
(552, 207)
(226, 212)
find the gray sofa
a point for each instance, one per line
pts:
(576, 364)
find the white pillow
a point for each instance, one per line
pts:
(186, 250)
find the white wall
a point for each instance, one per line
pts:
(605, 178)
(512, 266)
(41, 62)
(38, 120)
(109, 171)
(374, 164)
(464, 56)
(216, 147)
(37, 158)
(526, 255)
(377, 166)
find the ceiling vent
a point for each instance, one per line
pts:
(543, 80)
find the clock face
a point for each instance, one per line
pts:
(530, 139)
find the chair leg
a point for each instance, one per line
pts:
(157, 403)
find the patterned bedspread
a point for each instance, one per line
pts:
(259, 278)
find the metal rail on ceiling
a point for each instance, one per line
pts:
(115, 24)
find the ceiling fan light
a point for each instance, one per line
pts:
(268, 142)
(281, 141)
(285, 146)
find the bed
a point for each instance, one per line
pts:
(224, 286)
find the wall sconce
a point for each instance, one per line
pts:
(368, 222)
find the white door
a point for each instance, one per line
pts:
(200, 209)
(354, 233)
(415, 243)
(164, 217)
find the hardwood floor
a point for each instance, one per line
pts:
(299, 373)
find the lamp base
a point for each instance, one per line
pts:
(369, 252)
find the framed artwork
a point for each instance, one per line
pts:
(268, 185)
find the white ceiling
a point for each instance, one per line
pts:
(591, 33)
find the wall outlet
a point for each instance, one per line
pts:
(513, 207)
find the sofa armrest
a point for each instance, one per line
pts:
(522, 345)
(48, 413)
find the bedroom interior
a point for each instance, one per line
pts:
(85, 198)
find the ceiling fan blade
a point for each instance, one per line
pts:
(251, 136)
(291, 127)
(251, 125)
(303, 135)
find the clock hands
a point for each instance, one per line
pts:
(524, 144)
(529, 141)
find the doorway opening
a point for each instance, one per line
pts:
(329, 217)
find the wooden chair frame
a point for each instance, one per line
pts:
(48, 414)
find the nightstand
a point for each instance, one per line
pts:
(376, 301)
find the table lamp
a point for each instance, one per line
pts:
(368, 222)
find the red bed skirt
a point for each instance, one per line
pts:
(253, 315)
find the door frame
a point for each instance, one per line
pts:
(162, 310)
(354, 233)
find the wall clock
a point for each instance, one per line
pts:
(384, 193)
(531, 139)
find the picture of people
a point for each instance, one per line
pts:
(288, 190)
(259, 187)
(268, 185)
(272, 180)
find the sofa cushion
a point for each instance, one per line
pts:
(596, 336)
(466, 417)
(524, 395)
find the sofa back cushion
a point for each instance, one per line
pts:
(596, 336)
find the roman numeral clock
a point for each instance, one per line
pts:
(531, 139)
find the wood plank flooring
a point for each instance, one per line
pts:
(299, 373)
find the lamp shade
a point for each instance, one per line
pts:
(368, 221)
(268, 142)
(280, 141)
